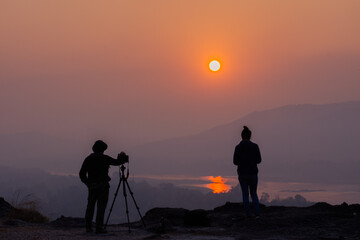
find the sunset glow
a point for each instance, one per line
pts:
(218, 185)
(172, 83)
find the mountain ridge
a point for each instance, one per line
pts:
(293, 138)
(303, 133)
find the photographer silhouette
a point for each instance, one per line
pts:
(94, 174)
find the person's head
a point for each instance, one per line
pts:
(99, 146)
(246, 133)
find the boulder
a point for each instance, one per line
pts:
(5, 208)
(173, 216)
(197, 218)
(68, 222)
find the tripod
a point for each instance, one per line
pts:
(125, 184)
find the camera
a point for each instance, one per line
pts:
(123, 157)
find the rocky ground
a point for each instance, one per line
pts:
(320, 221)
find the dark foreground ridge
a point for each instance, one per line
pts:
(320, 221)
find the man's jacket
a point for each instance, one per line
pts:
(95, 168)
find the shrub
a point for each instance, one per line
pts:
(27, 215)
(26, 208)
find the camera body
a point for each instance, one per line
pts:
(123, 157)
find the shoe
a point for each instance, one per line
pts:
(100, 230)
(257, 216)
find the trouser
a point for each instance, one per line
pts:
(98, 195)
(249, 182)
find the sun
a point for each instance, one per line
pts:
(214, 65)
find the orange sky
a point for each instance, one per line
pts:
(138, 70)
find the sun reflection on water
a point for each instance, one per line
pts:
(218, 184)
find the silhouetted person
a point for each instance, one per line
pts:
(94, 173)
(246, 157)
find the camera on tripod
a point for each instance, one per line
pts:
(123, 157)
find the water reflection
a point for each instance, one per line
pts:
(314, 192)
(218, 184)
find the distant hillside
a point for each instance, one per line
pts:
(310, 143)
(34, 150)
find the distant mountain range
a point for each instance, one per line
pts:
(307, 143)
(34, 150)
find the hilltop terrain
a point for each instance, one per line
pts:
(320, 221)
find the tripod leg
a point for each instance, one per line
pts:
(112, 205)
(126, 204)
(137, 207)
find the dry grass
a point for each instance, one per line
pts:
(27, 215)
(28, 201)
(26, 208)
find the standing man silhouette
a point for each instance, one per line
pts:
(94, 173)
(247, 157)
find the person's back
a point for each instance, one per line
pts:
(247, 157)
(96, 165)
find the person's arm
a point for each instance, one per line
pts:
(83, 173)
(236, 158)
(121, 159)
(258, 155)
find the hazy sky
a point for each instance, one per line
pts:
(138, 70)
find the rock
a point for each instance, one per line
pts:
(5, 208)
(162, 227)
(321, 221)
(234, 207)
(68, 222)
(321, 205)
(172, 216)
(230, 207)
(197, 218)
(162, 220)
(15, 222)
